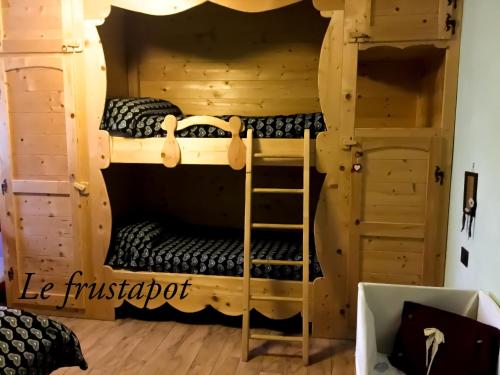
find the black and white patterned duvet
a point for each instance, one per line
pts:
(154, 247)
(142, 118)
(35, 344)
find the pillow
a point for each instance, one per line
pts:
(137, 117)
(469, 347)
(35, 344)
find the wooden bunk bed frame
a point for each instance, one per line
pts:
(224, 293)
(387, 81)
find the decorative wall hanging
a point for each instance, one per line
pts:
(470, 201)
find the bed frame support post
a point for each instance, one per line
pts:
(236, 152)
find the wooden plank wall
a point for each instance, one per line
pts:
(31, 25)
(204, 195)
(399, 88)
(227, 62)
(412, 19)
(115, 52)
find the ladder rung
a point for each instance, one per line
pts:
(276, 298)
(277, 226)
(276, 337)
(275, 262)
(278, 156)
(277, 191)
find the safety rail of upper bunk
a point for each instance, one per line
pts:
(172, 151)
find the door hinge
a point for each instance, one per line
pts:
(453, 2)
(439, 175)
(4, 187)
(451, 23)
(72, 46)
(10, 274)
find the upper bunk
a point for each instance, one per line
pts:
(204, 66)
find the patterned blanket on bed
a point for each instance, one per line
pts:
(142, 118)
(154, 247)
(35, 344)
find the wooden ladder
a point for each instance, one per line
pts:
(248, 297)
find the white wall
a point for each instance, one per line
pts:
(477, 140)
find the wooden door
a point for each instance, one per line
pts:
(395, 210)
(42, 161)
(403, 20)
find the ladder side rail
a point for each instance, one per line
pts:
(305, 248)
(247, 247)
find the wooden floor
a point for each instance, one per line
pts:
(128, 346)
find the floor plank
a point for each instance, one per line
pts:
(128, 346)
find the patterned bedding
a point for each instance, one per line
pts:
(35, 344)
(142, 118)
(156, 247)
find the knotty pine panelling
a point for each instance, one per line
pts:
(212, 60)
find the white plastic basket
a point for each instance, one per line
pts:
(379, 315)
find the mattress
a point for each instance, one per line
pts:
(142, 118)
(160, 247)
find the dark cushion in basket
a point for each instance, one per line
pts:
(469, 347)
(35, 344)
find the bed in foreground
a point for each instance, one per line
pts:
(35, 344)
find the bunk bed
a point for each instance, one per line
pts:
(173, 249)
(142, 126)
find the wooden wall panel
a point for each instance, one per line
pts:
(204, 195)
(394, 185)
(410, 245)
(45, 245)
(37, 115)
(59, 227)
(46, 123)
(32, 25)
(45, 205)
(391, 260)
(112, 34)
(400, 87)
(41, 167)
(212, 60)
(387, 94)
(401, 20)
(47, 265)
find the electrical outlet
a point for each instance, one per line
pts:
(464, 257)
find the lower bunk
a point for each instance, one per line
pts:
(193, 267)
